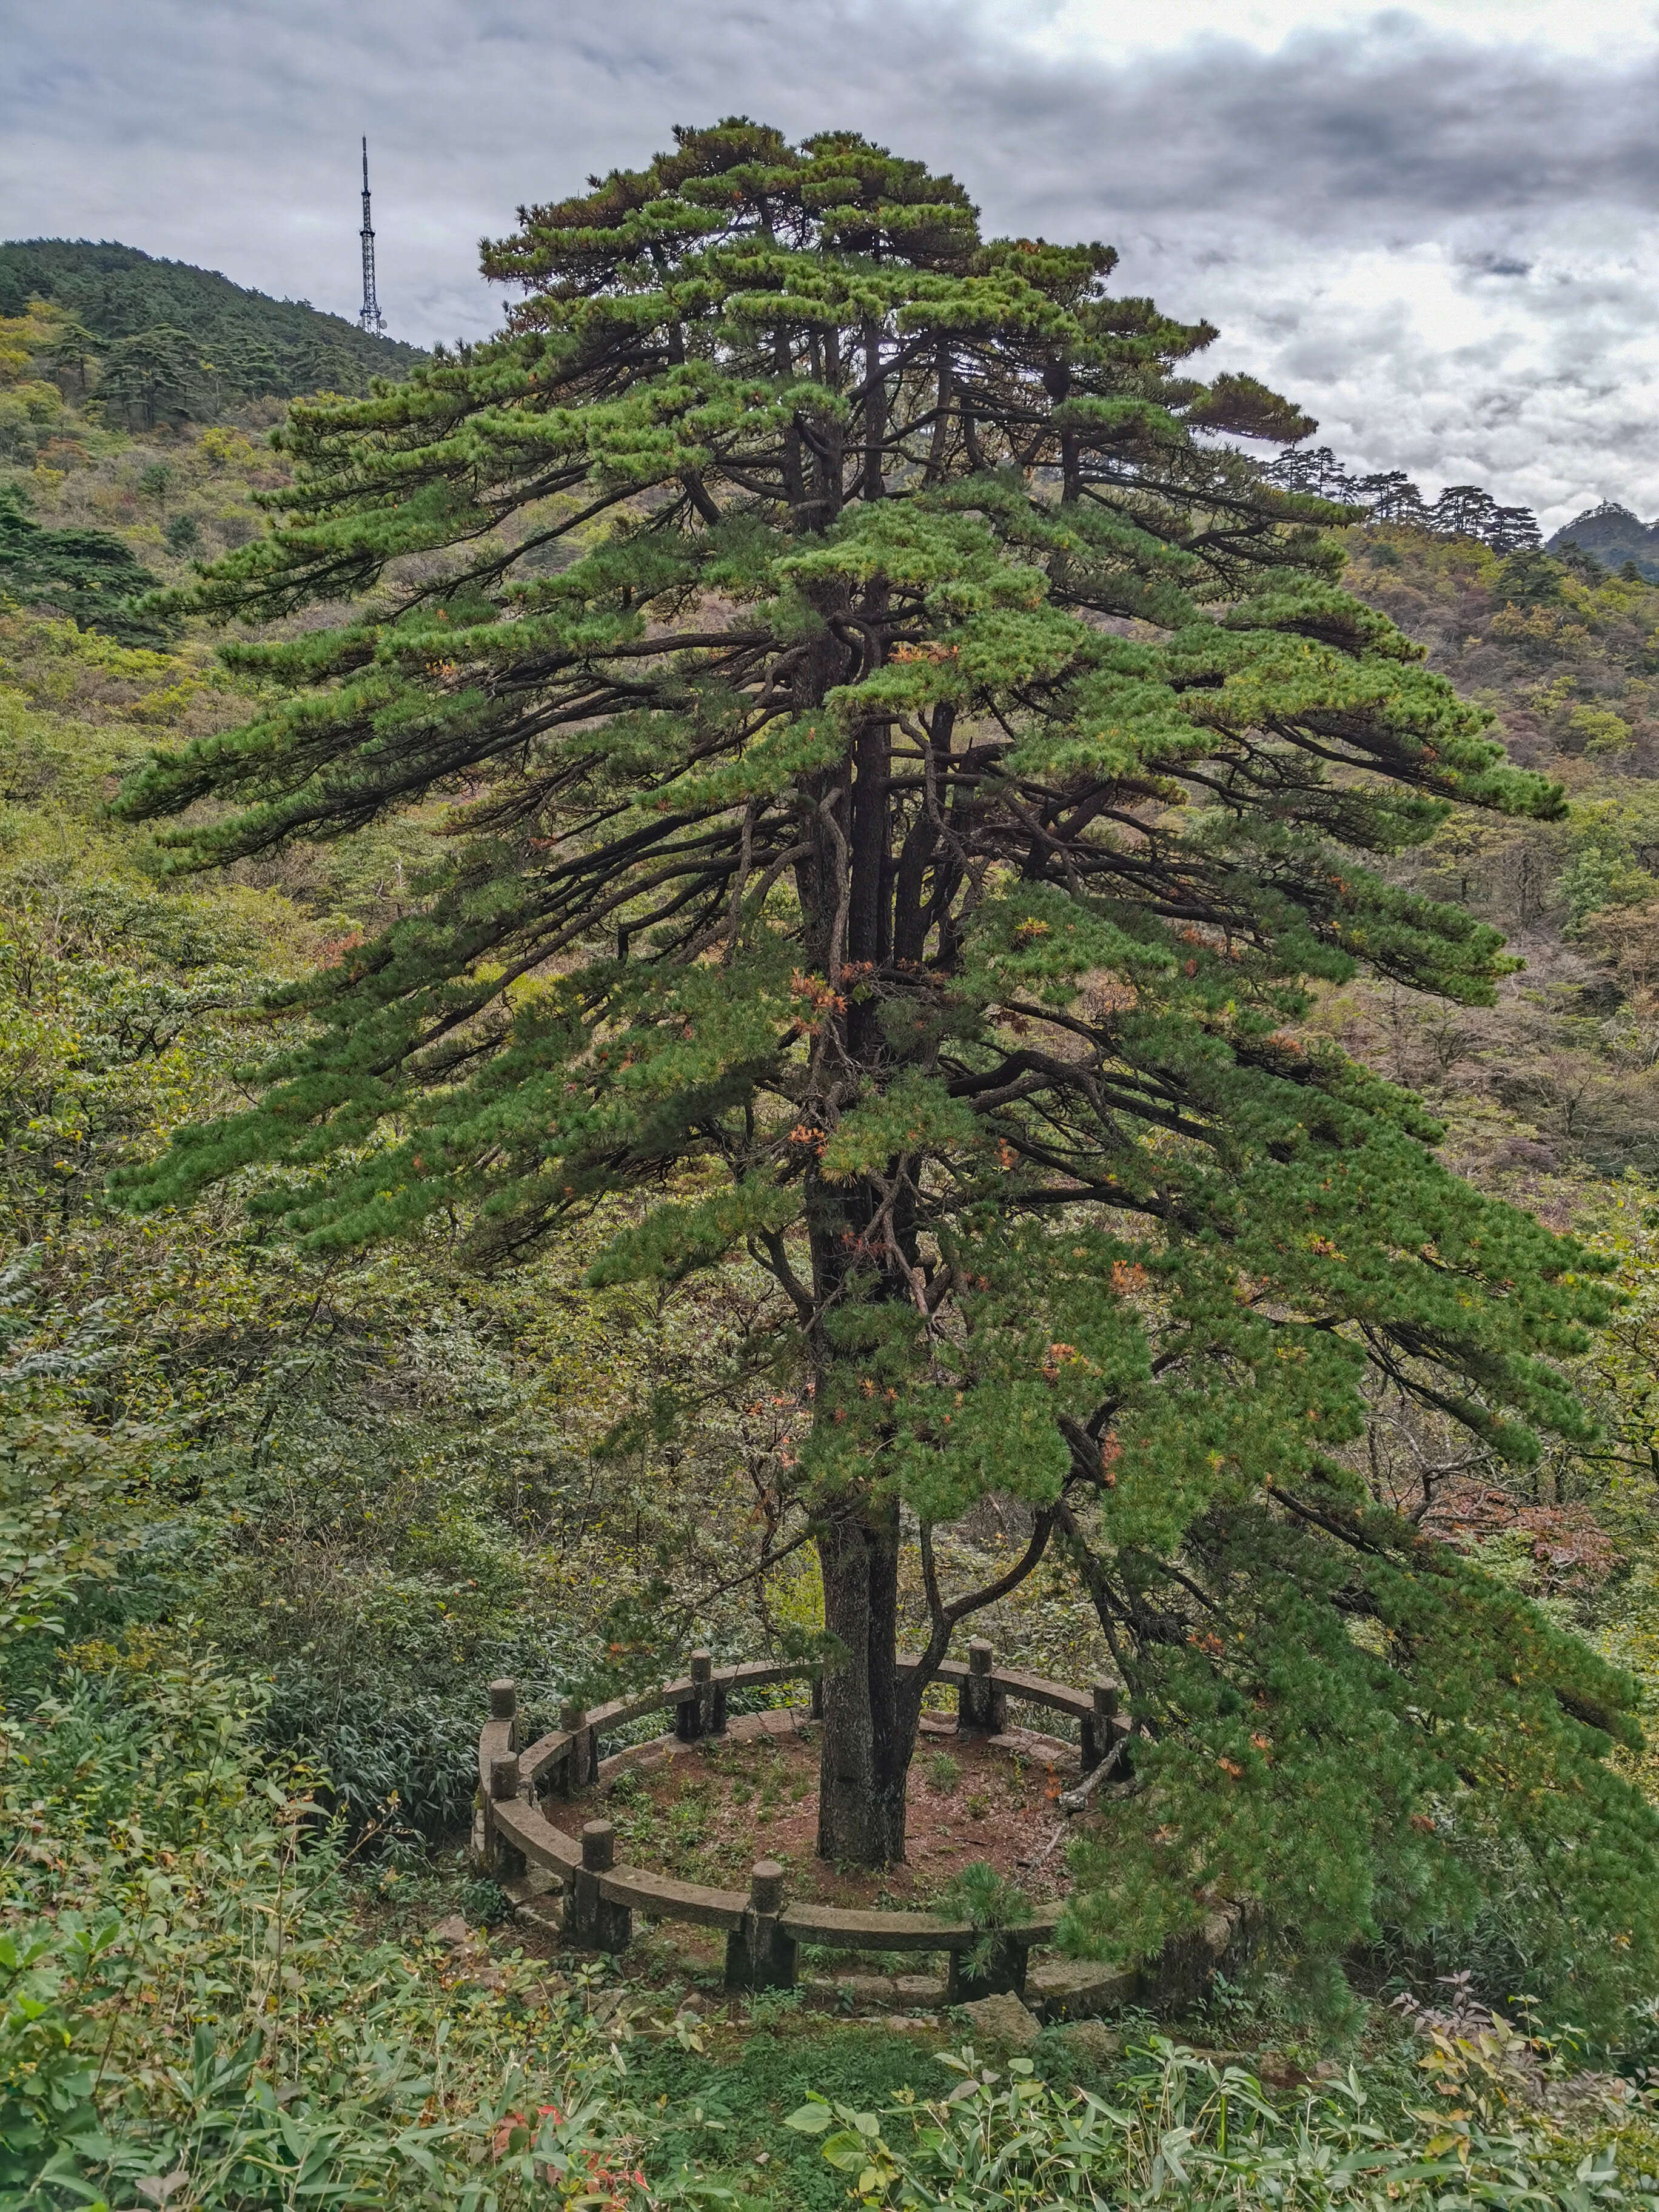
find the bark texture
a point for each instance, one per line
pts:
(869, 1725)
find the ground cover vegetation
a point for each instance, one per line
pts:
(274, 1510)
(707, 1815)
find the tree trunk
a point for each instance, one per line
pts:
(869, 1733)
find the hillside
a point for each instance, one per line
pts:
(135, 402)
(1613, 535)
(277, 1517)
(242, 344)
(1566, 657)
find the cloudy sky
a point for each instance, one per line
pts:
(1432, 225)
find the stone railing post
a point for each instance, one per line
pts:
(582, 1763)
(1097, 1729)
(704, 1712)
(504, 1706)
(759, 1955)
(484, 1843)
(981, 1709)
(590, 1921)
(504, 1861)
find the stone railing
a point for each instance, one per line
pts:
(764, 1929)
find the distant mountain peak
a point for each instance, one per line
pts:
(1610, 534)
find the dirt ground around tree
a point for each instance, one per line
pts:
(707, 1811)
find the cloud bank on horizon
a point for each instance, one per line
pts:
(1432, 226)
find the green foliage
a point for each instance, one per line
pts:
(254, 345)
(979, 1894)
(377, 1482)
(1181, 2130)
(988, 1901)
(1563, 651)
(485, 1904)
(717, 2116)
(899, 849)
(186, 1996)
(59, 1471)
(374, 1484)
(1610, 844)
(45, 2084)
(183, 534)
(154, 378)
(84, 573)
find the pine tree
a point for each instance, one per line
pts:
(898, 844)
(85, 573)
(72, 347)
(155, 377)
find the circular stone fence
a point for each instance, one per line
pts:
(513, 1836)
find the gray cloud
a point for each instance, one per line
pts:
(1438, 244)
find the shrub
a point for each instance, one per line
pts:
(990, 1904)
(1186, 2134)
(187, 1996)
(485, 1904)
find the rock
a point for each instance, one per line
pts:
(1093, 2040)
(469, 1959)
(929, 1988)
(1072, 1989)
(1002, 2021)
(523, 1888)
(542, 1913)
(1219, 1927)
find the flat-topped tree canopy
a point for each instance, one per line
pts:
(897, 843)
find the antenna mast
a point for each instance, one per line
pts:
(371, 319)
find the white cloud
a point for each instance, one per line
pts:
(1110, 29)
(1431, 228)
(1543, 386)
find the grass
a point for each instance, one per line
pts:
(720, 2111)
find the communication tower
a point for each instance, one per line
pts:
(371, 319)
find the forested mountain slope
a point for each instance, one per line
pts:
(1614, 536)
(274, 1521)
(164, 340)
(1566, 656)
